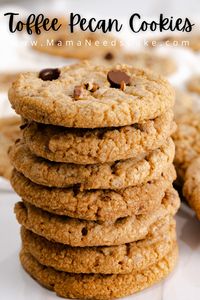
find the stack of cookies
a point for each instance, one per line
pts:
(94, 171)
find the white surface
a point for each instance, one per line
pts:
(15, 284)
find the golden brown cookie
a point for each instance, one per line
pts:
(97, 286)
(88, 96)
(187, 141)
(79, 44)
(9, 132)
(121, 259)
(193, 84)
(91, 146)
(183, 104)
(82, 233)
(145, 60)
(185, 40)
(117, 175)
(95, 205)
(191, 187)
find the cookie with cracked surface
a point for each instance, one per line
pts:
(191, 187)
(121, 259)
(117, 175)
(145, 60)
(9, 132)
(193, 84)
(82, 233)
(98, 286)
(95, 205)
(88, 96)
(79, 44)
(90, 146)
(187, 141)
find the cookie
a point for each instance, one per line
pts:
(193, 84)
(160, 64)
(95, 205)
(184, 103)
(187, 141)
(121, 259)
(84, 146)
(117, 175)
(79, 44)
(88, 96)
(191, 187)
(82, 233)
(9, 132)
(97, 286)
(191, 41)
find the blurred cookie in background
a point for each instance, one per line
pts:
(191, 187)
(184, 103)
(80, 45)
(191, 41)
(9, 132)
(145, 60)
(6, 80)
(193, 84)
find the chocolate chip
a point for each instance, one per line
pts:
(58, 42)
(17, 141)
(23, 126)
(109, 56)
(84, 231)
(49, 74)
(117, 77)
(77, 91)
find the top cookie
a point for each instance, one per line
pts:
(88, 96)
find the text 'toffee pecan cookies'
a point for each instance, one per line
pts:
(88, 96)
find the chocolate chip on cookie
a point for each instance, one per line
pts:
(49, 74)
(118, 78)
(109, 56)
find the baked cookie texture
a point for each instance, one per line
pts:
(94, 170)
(98, 286)
(191, 187)
(117, 175)
(121, 259)
(57, 102)
(9, 132)
(187, 158)
(145, 60)
(86, 146)
(187, 141)
(95, 205)
(81, 233)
